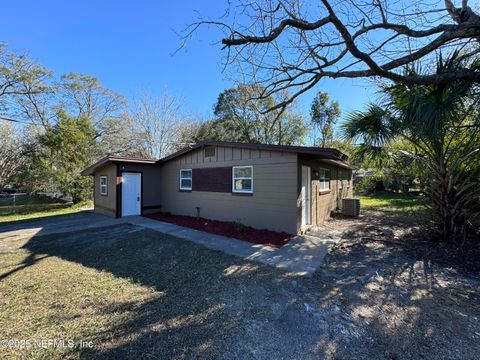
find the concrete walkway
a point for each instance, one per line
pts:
(302, 255)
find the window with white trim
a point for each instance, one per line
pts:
(242, 179)
(324, 177)
(103, 185)
(186, 179)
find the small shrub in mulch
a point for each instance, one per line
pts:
(239, 227)
(233, 229)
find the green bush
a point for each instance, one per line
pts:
(365, 186)
(239, 227)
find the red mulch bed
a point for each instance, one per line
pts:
(226, 228)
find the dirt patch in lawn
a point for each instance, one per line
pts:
(227, 228)
(416, 241)
(386, 291)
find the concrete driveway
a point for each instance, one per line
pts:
(56, 224)
(302, 255)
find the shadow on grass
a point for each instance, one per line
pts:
(190, 319)
(371, 301)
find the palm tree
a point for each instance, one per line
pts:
(442, 122)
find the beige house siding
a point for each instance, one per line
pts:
(324, 202)
(105, 204)
(150, 192)
(151, 178)
(275, 203)
(272, 204)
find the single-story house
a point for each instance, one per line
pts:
(276, 187)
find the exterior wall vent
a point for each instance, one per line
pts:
(209, 151)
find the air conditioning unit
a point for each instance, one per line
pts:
(351, 207)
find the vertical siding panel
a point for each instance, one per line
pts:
(237, 154)
(220, 154)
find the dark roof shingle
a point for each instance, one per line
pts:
(326, 153)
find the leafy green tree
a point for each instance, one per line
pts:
(397, 165)
(323, 116)
(29, 93)
(442, 122)
(241, 115)
(345, 146)
(60, 155)
(83, 95)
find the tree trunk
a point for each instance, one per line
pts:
(447, 209)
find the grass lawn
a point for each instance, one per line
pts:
(30, 207)
(138, 294)
(394, 205)
(127, 290)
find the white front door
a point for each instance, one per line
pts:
(131, 194)
(306, 196)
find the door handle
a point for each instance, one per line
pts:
(138, 198)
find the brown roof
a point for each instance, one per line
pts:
(336, 157)
(114, 159)
(325, 153)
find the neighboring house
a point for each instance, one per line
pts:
(359, 174)
(282, 188)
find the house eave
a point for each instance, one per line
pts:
(114, 160)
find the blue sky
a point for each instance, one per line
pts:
(128, 45)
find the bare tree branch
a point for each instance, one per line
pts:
(293, 44)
